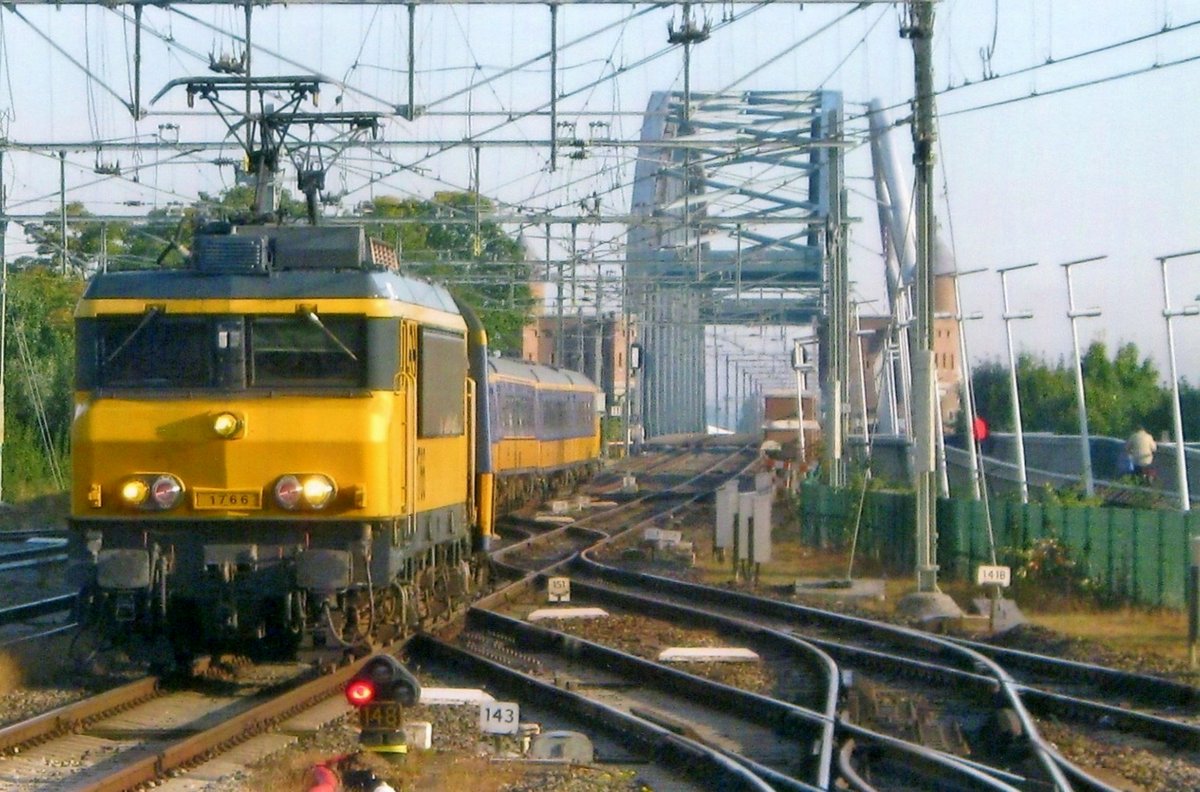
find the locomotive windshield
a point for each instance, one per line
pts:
(161, 351)
(154, 351)
(307, 350)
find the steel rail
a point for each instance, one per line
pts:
(238, 728)
(31, 610)
(1121, 682)
(71, 717)
(1051, 763)
(645, 604)
(680, 753)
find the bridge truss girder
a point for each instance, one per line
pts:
(778, 161)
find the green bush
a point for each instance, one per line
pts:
(1047, 574)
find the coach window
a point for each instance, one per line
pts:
(526, 404)
(441, 379)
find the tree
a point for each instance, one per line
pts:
(1120, 394)
(89, 242)
(1125, 392)
(453, 242)
(39, 351)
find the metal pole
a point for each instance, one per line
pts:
(716, 377)
(798, 363)
(553, 86)
(1085, 441)
(559, 348)
(574, 287)
(924, 134)
(62, 208)
(249, 54)
(598, 339)
(968, 401)
(943, 477)
(411, 110)
(741, 397)
(1012, 372)
(1185, 501)
(137, 63)
(626, 407)
(729, 421)
(862, 379)
(3, 309)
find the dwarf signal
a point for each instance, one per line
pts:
(360, 692)
(380, 691)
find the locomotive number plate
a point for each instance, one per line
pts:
(226, 499)
(381, 716)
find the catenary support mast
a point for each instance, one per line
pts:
(920, 31)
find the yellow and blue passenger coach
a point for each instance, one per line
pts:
(286, 439)
(544, 429)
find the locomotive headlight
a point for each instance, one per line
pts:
(153, 491)
(227, 425)
(166, 491)
(304, 492)
(318, 491)
(288, 492)
(134, 492)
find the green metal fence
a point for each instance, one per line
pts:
(1133, 555)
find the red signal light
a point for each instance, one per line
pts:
(360, 692)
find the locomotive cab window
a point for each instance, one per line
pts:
(443, 369)
(153, 351)
(305, 350)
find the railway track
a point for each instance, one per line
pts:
(835, 704)
(139, 733)
(143, 731)
(891, 665)
(899, 654)
(787, 739)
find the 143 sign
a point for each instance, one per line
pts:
(499, 717)
(993, 576)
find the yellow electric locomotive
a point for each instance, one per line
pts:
(288, 438)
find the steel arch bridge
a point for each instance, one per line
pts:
(753, 185)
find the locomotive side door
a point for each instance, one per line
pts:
(404, 438)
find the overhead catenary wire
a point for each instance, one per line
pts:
(71, 59)
(613, 75)
(1049, 63)
(1073, 86)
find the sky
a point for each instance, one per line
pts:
(1045, 175)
